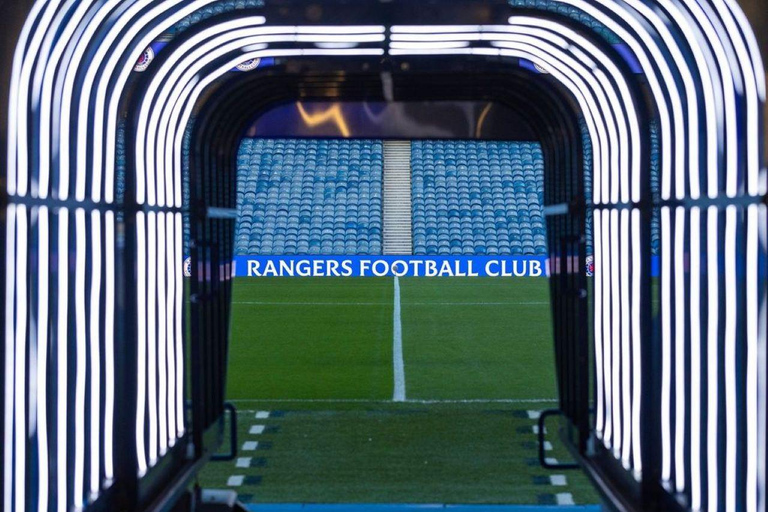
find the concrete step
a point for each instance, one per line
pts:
(398, 234)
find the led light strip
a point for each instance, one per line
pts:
(42, 357)
(680, 351)
(151, 362)
(648, 55)
(696, 367)
(666, 346)
(10, 345)
(713, 378)
(112, 85)
(141, 330)
(180, 72)
(50, 67)
(553, 33)
(109, 346)
(20, 358)
(691, 128)
(62, 358)
(637, 371)
(18, 158)
(722, 62)
(598, 321)
(753, 356)
(615, 252)
(730, 341)
(151, 386)
(95, 354)
(607, 331)
(81, 370)
(626, 374)
(162, 318)
(173, 257)
(179, 339)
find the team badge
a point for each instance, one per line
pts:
(188, 267)
(590, 267)
(540, 69)
(145, 60)
(249, 65)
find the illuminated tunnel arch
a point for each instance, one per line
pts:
(71, 83)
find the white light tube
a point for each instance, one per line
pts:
(17, 87)
(696, 368)
(637, 342)
(626, 373)
(179, 328)
(598, 320)
(43, 271)
(753, 356)
(730, 341)
(680, 352)
(141, 331)
(666, 345)
(62, 358)
(10, 368)
(713, 346)
(81, 371)
(20, 359)
(171, 259)
(152, 369)
(95, 354)
(162, 363)
(109, 347)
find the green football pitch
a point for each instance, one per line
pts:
(312, 373)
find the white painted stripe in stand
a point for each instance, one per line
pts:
(558, 480)
(236, 480)
(250, 446)
(245, 462)
(262, 415)
(397, 349)
(551, 460)
(257, 429)
(535, 429)
(547, 446)
(564, 498)
(534, 415)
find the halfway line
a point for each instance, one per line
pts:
(397, 348)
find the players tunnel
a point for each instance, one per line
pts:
(666, 407)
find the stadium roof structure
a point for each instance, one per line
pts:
(94, 363)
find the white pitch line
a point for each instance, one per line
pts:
(558, 480)
(397, 349)
(283, 303)
(565, 498)
(236, 480)
(407, 401)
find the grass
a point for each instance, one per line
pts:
(317, 354)
(336, 345)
